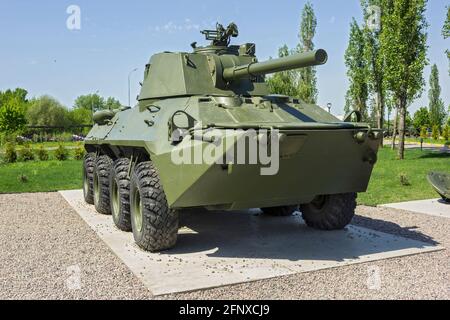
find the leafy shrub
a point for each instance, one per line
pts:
(65, 137)
(61, 153)
(445, 133)
(79, 153)
(22, 178)
(26, 153)
(435, 132)
(404, 180)
(10, 155)
(42, 153)
(423, 133)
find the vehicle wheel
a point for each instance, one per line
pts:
(283, 211)
(330, 212)
(103, 165)
(154, 224)
(88, 177)
(119, 191)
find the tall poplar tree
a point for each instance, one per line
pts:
(446, 33)
(357, 93)
(373, 11)
(436, 105)
(403, 46)
(307, 84)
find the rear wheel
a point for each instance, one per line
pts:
(283, 211)
(119, 191)
(154, 224)
(330, 212)
(103, 166)
(88, 177)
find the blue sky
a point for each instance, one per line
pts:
(40, 54)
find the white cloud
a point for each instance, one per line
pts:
(172, 27)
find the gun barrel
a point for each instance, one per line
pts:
(295, 61)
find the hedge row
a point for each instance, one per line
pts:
(27, 153)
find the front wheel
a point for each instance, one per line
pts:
(330, 212)
(88, 177)
(154, 224)
(119, 191)
(102, 170)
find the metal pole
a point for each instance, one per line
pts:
(129, 86)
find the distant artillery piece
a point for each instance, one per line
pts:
(441, 183)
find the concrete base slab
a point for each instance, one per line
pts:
(216, 248)
(434, 207)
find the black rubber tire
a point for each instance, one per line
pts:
(335, 212)
(120, 183)
(103, 166)
(158, 227)
(88, 177)
(284, 211)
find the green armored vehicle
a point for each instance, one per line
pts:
(207, 133)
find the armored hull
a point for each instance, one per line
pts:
(190, 142)
(320, 154)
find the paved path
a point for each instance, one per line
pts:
(425, 146)
(436, 207)
(245, 246)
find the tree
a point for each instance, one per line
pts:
(300, 83)
(421, 119)
(423, 133)
(12, 117)
(435, 132)
(446, 33)
(445, 133)
(92, 102)
(13, 105)
(47, 111)
(284, 82)
(403, 46)
(408, 121)
(80, 116)
(374, 59)
(111, 104)
(357, 93)
(307, 84)
(18, 94)
(436, 105)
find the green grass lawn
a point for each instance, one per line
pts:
(385, 185)
(42, 176)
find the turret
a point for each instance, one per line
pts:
(218, 69)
